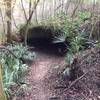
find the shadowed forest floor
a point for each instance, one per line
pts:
(45, 82)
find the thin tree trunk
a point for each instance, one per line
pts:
(55, 3)
(8, 16)
(24, 10)
(2, 94)
(4, 30)
(14, 21)
(76, 7)
(67, 6)
(35, 13)
(30, 7)
(43, 9)
(28, 22)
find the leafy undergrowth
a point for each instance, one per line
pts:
(12, 59)
(83, 83)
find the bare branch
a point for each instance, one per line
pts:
(13, 15)
(67, 5)
(24, 10)
(30, 17)
(30, 7)
(14, 21)
(58, 7)
(77, 5)
(14, 4)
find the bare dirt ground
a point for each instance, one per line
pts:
(46, 82)
(39, 71)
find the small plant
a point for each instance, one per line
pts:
(69, 57)
(83, 15)
(75, 40)
(21, 51)
(13, 69)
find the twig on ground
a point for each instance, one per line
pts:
(75, 81)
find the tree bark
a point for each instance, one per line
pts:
(8, 18)
(2, 94)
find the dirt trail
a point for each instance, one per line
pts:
(39, 71)
(43, 77)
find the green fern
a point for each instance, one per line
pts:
(13, 69)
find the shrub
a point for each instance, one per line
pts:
(13, 69)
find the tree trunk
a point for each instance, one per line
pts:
(8, 18)
(2, 94)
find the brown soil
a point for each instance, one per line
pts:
(47, 83)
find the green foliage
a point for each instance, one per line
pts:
(21, 51)
(68, 25)
(77, 43)
(13, 69)
(59, 38)
(69, 57)
(83, 15)
(65, 28)
(97, 45)
(76, 40)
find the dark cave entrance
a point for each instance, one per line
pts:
(41, 39)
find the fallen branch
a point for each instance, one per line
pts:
(78, 79)
(75, 81)
(54, 98)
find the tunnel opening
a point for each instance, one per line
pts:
(42, 39)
